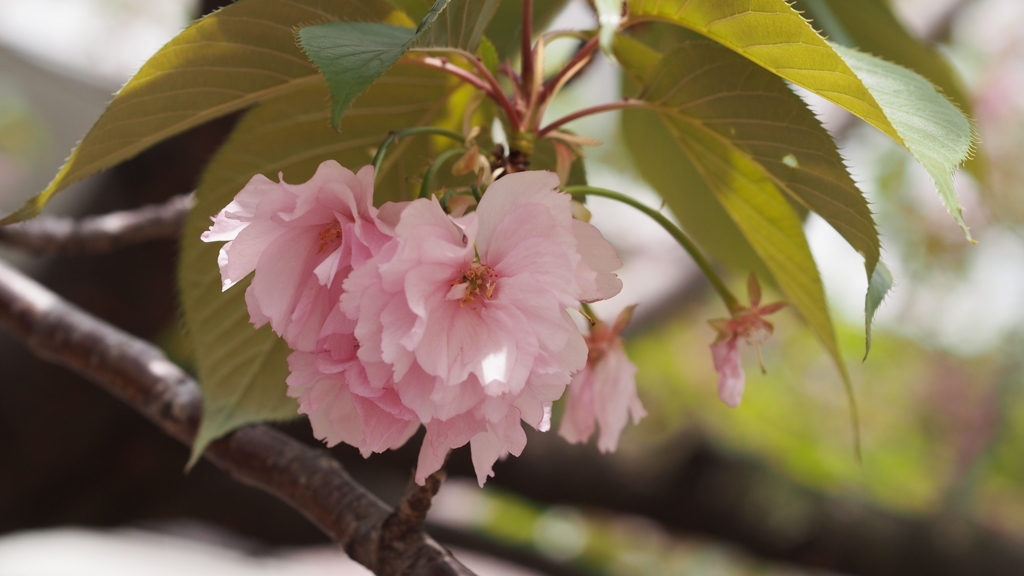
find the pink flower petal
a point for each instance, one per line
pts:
(726, 356)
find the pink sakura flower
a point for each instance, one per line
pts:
(334, 391)
(466, 317)
(302, 240)
(749, 324)
(605, 390)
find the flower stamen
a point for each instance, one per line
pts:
(478, 280)
(329, 235)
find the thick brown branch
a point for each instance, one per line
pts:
(97, 234)
(308, 479)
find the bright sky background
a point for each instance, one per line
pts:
(105, 39)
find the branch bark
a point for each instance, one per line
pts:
(100, 234)
(308, 479)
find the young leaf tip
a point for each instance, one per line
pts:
(879, 286)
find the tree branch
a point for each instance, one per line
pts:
(96, 234)
(308, 479)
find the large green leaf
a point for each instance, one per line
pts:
(872, 27)
(229, 60)
(773, 35)
(932, 128)
(895, 100)
(664, 166)
(754, 113)
(241, 370)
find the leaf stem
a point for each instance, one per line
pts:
(716, 281)
(552, 86)
(445, 65)
(527, 47)
(625, 103)
(488, 84)
(496, 93)
(428, 178)
(397, 135)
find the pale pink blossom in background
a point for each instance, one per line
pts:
(301, 239)
(466, 317)
(748, 324)
(604, 391)
(725, 354)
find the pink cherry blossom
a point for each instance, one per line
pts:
(466, 317)
(334, 391)
(301, 240)
(605, 390)
(746, 323)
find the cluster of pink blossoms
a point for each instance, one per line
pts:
(408, 316)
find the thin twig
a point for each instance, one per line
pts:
(526, 49)
(98, 234)
(308, 479)
(488, 84)
(624, 103)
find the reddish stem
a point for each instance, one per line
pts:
(585, 52)
(552, 86)
(497, 93)
(527, 49)
(445, 65)
(590, 111)
(489, 85)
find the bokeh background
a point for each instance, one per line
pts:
(773, 487)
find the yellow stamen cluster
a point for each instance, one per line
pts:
(329, 235)
(480, 280)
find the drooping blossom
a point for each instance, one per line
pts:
(748, 324)
(466, 317)
(604, 390)
(301, 239)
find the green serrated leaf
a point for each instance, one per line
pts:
(435, 11)
(664, 165)
(290, 135)
(879, 285)
(872, 27)
(461, 26)
(228, 61)
(352, 56)
(773, 35)
(754, 113)
(938, 135)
